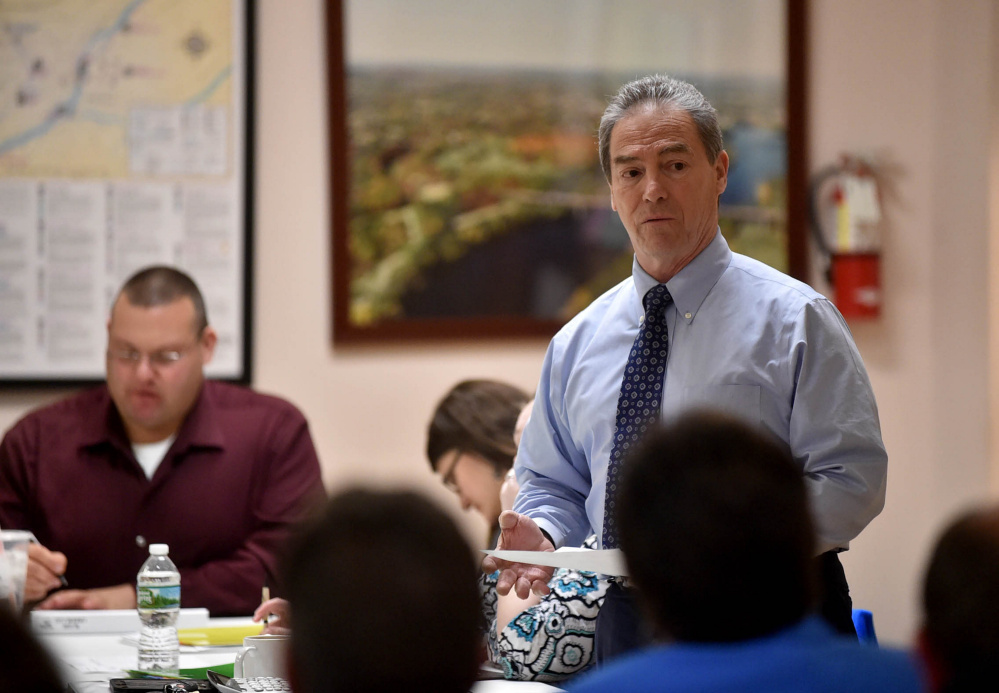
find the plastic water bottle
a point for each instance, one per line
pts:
(157, 593)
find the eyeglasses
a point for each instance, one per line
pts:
(157, 359)
(449, 483)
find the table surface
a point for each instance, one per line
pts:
(89, 661)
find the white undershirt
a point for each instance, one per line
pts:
(150, 455)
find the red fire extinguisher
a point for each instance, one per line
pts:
(846, 222)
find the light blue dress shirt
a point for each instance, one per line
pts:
(744, 339)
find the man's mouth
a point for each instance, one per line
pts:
(145, 396)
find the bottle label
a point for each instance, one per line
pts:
(158, 596)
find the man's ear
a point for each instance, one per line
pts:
(209, 338)
(721, 171)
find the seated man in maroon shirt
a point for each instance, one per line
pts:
(158, 455)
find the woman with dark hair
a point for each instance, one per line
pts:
(471, 444)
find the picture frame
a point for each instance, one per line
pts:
(128, 144)
(439, 231)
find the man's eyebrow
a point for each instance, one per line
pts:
(674, 148)
(624, 159)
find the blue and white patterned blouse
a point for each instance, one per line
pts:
(553, 639)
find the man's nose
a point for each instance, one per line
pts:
(144, 368)
(655, 187)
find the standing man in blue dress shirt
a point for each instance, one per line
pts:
(743, 338)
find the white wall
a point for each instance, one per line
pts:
(909, 82)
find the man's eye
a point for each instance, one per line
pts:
(679, 166)
(165, 357)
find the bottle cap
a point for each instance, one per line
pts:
(159, 549)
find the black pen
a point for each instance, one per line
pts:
(265, 594)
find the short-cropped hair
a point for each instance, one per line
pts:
(384, 595)
(714, 523)
(161, 285)
(25, 665)
(961, 599)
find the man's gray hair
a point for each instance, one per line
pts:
(664, 92)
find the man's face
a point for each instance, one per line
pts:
(664, 187)
(154, 365)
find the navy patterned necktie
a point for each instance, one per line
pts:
(641, 396)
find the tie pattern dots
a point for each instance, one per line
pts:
(641, 396)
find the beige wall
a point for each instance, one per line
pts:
(909, 83)
(888, 79)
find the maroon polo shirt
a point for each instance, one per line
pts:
(241, 470)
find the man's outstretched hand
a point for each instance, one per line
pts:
(520, 533)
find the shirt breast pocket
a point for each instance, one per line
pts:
(739, 401)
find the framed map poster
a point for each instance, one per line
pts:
(125, 141)
(467, 197)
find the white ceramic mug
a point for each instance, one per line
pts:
(262, 655)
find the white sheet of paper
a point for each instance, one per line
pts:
(604, 561)
(522, 687)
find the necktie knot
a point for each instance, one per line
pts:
(656, 299)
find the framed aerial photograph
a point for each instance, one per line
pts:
(467, 195)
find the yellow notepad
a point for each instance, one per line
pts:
(218, 635)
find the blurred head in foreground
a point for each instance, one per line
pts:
(711, 510)
(959, 638)
(384, 589)
(24, 664)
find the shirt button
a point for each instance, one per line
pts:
(687, 315)
(140, 541)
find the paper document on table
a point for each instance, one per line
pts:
(604, 561)
(105, 620)
(494, 686)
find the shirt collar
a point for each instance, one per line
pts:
(102, 424)
(199, 430)
(690, 286)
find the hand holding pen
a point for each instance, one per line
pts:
(45, 572)
(276, 615)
